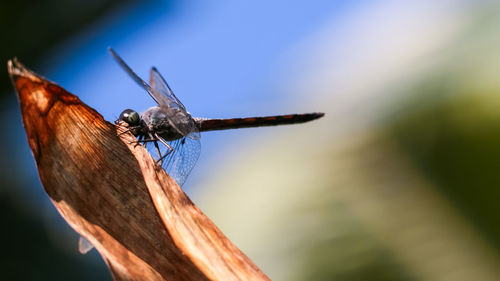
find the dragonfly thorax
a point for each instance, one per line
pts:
(158, 120)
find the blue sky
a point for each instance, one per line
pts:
(221, 58)
(218, 56)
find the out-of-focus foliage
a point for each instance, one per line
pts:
(31, 27)
(455, 142)
(450, 127)
(411, 194)
(29, 30)
(27, 254)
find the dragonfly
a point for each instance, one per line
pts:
(170, 125)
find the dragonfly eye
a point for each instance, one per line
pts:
(130, 116)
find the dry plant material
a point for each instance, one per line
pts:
(113, 194)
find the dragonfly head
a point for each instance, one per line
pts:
(130, 117)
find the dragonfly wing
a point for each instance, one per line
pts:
(179, 163)
(84, 246)
(133, 75)
(162, 91)
(177, 114)
(195, 135)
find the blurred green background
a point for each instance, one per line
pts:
(398, 181)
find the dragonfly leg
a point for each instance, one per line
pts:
(170, 149)
(142, 140)
(136, 141)
(155, 141)
(128, 129)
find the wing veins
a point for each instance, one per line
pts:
(162, 90)
(132, 74)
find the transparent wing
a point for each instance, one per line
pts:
(179, 163)
(134, 76)
(84, 246)
(162, 91)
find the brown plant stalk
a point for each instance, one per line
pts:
(112, 193)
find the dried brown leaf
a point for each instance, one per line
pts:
(113, 194)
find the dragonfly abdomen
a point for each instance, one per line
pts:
(248, 122)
